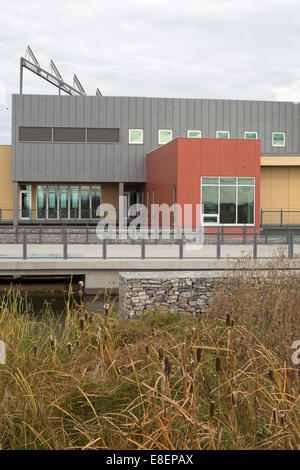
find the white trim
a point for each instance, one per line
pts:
(278, 145)
(194, 130)
(251, 132)
(136, 143)
(164, 130)
(228, 132)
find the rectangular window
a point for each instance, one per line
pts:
(249, 135)
(96, 200)
(35, 134)
(63, 202)
(104, 135)
(228, 200)
(52, 202)
(223, 135)
(74, 202)
(68, 134)
(136, 136)
(194, 134)
(85, 202)
(164, 136)
(278, 139)
(41, 202)
(25, 201)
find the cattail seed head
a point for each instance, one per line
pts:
(212, 407)
(77, 343)
(160, 354)
(91, 319)
(81, 324)
(271, 375)
(35, 350)
(106, 309)
(234, 398)
(275, 415)
(69, 346)
(86, 315)
(147, 350)
(228, 320)
(199, 354)
(218, 364)
(167, 366)
(81, 284)
(53, 343)
(232, 322)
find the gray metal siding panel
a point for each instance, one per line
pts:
(127, 163)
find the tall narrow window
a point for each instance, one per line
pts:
(96, 200)
(74, 202)
(41, 202)
(25, 201)
(63, 203)
(52, 202)
(85, 202)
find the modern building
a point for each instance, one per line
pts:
(69, 153)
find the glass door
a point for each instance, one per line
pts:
(25, 201)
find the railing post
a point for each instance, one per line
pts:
(218, 245)
(281, 217)
(17, 234)
(24, 245)
(104, 249)
(261, 216)
(291, 246)
(181, 248)
(143, 248)
(222, 234)
(254, 245)
(244, 234)
(65, 243)
(40, 235)
(87, 234)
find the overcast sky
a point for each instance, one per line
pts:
(242, 49)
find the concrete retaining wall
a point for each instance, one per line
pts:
(178, 292)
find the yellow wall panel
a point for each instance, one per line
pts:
(6, 184)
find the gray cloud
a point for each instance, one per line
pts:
(198, 48)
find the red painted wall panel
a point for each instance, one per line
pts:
(183, 162)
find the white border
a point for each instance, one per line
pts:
(164, 130)
(136, 143)
(194, 130)
(251, 132)
(221, 138)
(278, 132)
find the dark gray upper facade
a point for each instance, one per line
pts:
(124, 162)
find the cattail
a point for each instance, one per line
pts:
(77, 343)
(86, 315)
(212, 408)
(160, 354)
(283, 419)
(106, 309)
(167, 366)
(199, 354)
(52, 343)
(234, 398)
(81, 324)
(275, 415)
(35, 350)
(147, 350)
(69, 346)
(228, 320)
(81, 284)
(271, 375)
(91, 319)
(232, 322)
(218, 364)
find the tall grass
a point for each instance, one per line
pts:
(89, 381)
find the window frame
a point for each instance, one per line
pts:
(194, 130)
(136, 143)
(164, 130)
(219, 224)
(222, 138)
(284, 139)
(251, 132)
